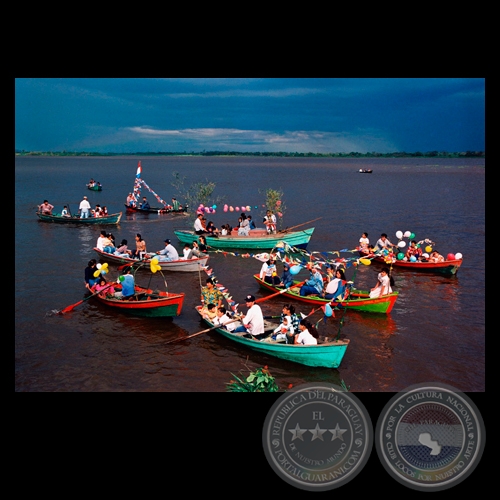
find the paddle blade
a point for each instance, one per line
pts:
(70, 308)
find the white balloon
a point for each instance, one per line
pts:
(458, 255)
(402, 244)
(407, 234)
(399, 234)
(426, 255)
(99, 266)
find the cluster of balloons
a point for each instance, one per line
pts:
(101, 269)
(244, 208)
(154, 266)
(208, 210)
(407, 234)
(454, 256)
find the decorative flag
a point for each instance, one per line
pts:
(139, 170)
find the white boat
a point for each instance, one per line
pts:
(194, 264)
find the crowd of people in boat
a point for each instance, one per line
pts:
(390, 252)
(243, 227)
(92, 184)
(292, 329)
(106, 243)
(85, 210)
(132, 202)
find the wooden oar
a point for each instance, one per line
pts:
(262, 299)
(70, 308)
(298, 225)
(199, 333)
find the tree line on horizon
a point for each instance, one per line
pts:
(428, 154)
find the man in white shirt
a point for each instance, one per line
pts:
(253, 321)
(84, 208)
(198, 226)
(169, 253)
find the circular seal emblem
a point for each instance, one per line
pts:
(317, 436)
(430, 437)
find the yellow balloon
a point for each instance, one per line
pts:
(154, 265)
(104, 267)
(428, 249)
(366, 262)
(97, 273)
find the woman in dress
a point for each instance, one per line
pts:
(383, 286)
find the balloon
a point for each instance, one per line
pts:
(295, 269)
(400, 256)
(450, 256)
(412, 236)
(231, 209)
(428, 248)
(328, 310)
(402, 244)
(458, 255)
(407, 234)
(425, 255)
(201, 205)
(98, 266)
(256, 206)
(279, 214)
(399, 234)
(249, 208)
(278, 203)
(122, 278)
(154, 265)
(413, 259)
(103, 271)
(214, 206)
(225, 208)
(96, 273)
(366, 262)
(237, 209)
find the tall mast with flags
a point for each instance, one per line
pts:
(137, 183)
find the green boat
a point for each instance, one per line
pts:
(326, 355)
(95, 187)
(75, 219)
(257, 240)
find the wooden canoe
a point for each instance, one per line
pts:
(358, 300)
(326, 355)
(75, 219)
(446, 268)
(146, 302)
(258, 239)
(156, 210)
(173, 265)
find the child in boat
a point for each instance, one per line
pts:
(223, 318)
(102, 283)
(283, 329)
(209, 312)
(286, 277)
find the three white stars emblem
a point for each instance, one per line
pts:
(317, 433)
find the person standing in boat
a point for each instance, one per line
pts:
(169, 253)
(176, 206)
(383, 286)
(84, 208)
(211, 294)
(270, 222)
(46, 208)
(253, 321)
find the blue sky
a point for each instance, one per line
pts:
(318, 115)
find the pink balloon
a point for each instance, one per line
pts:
(237, 209)
(450, 256)
(231, 209)
(280, 214)
(278, 203)
(225, 208)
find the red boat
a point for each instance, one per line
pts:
(446, 267)
(145, 302)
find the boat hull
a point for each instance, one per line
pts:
(260, 241)
(191, 265)
(75, 219)
(95, 188)
(327, 355)
(446, 268)
(147, 303)
(156, 210)
(358, 300)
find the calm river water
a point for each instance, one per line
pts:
(436, 331)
